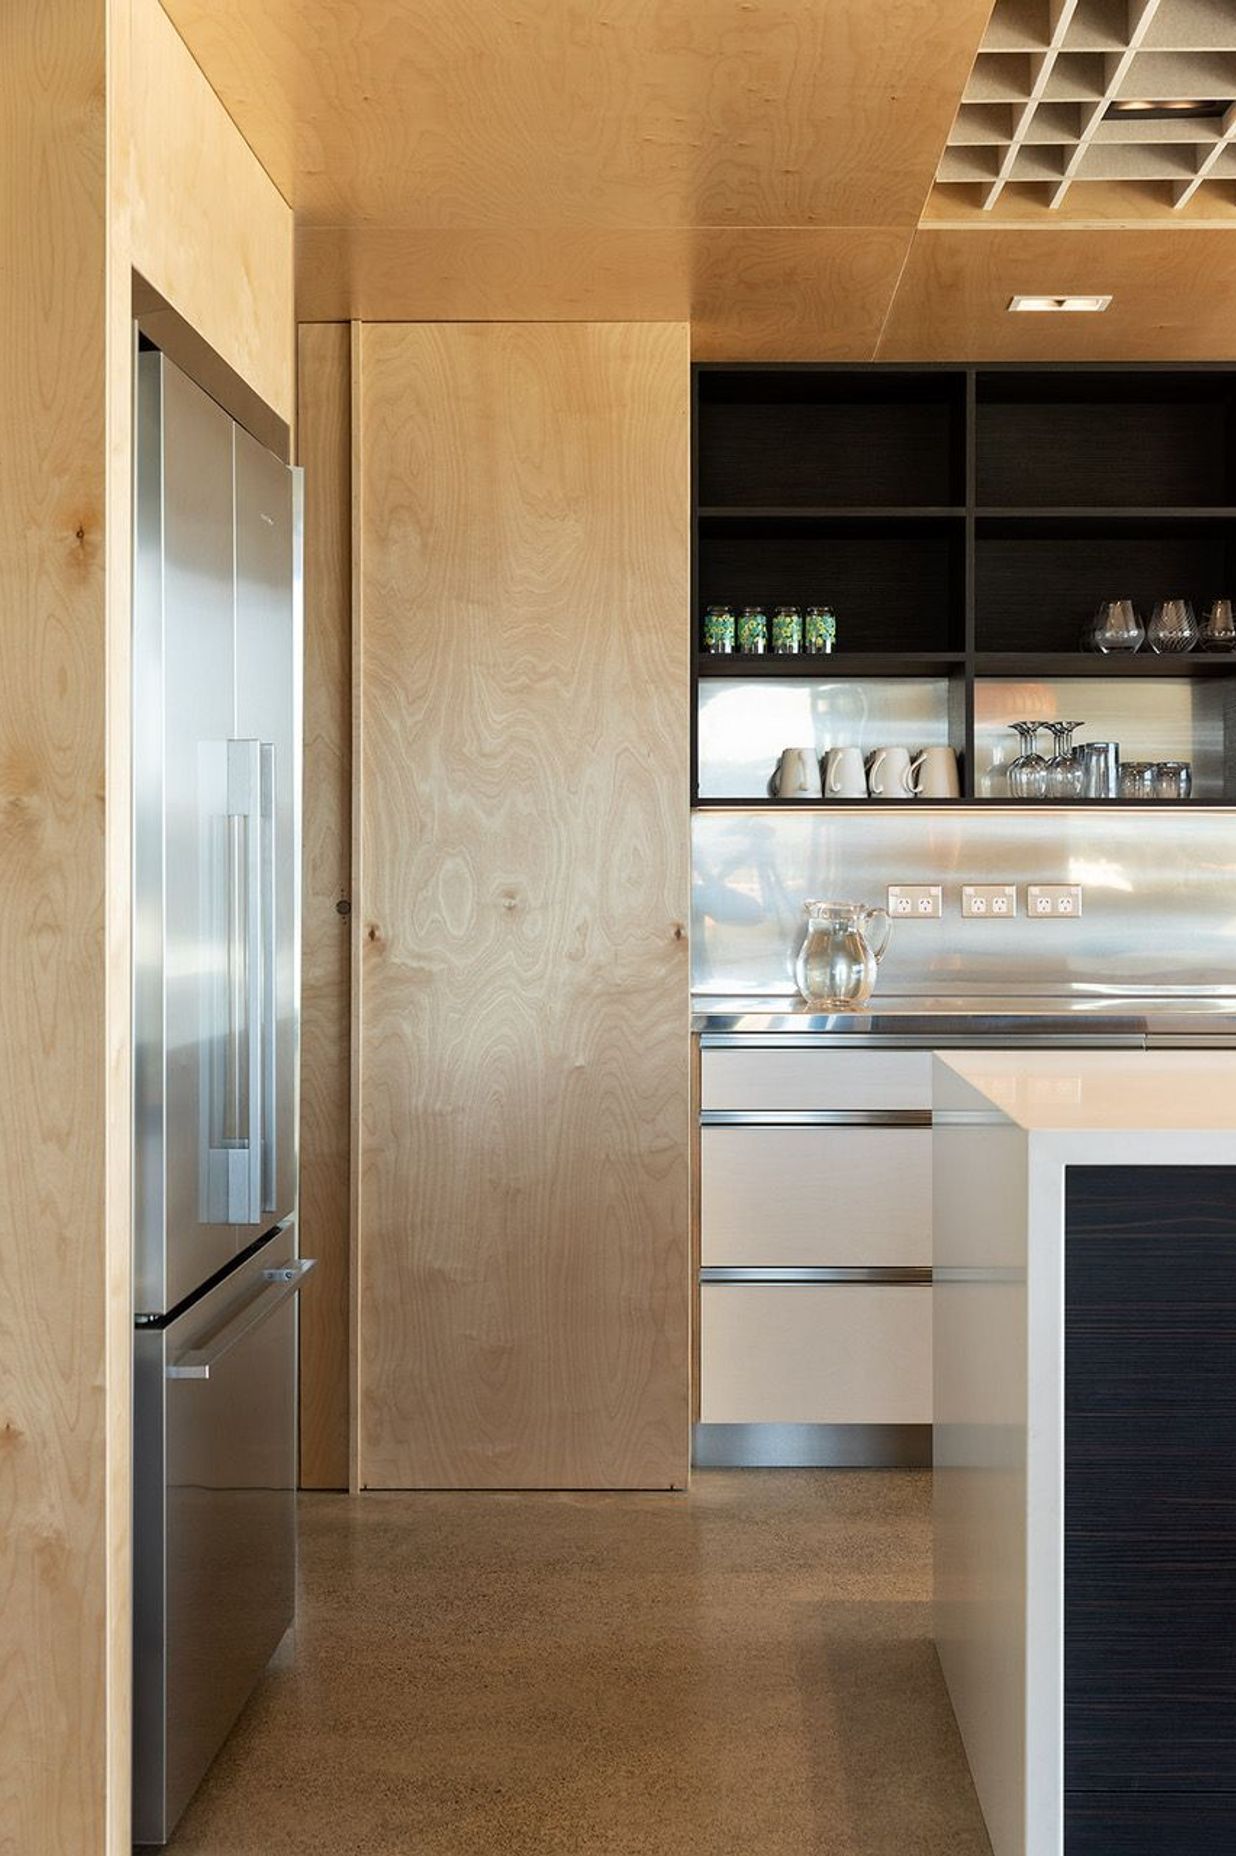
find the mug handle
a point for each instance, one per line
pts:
(914, 774)
(880, 915)
(877, 761)
(833, 781)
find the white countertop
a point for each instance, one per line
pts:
(1105, 1090)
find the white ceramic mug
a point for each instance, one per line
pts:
(933, 774)
(845, 776)
(888, 776)
(797, 775)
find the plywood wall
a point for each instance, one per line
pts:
(64, 1338)
(210, 230)
(521, 664)
(324, 426)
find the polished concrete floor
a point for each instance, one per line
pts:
(747, 1669)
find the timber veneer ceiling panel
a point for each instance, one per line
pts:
(639, 113)
(1172, 295)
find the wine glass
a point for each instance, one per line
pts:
(1027, 775)
(1064, 771)
(1172, 627)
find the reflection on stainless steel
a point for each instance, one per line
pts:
(1160, 888)
(745, 724)
(217, 670)
(1152, 718)
(211, 1606)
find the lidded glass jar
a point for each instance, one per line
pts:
(753, 631)
(820, 630)
(787, 631)
(719, 631)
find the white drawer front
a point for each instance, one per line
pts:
(769, 1079)
(815, 1196)
(835, 1355)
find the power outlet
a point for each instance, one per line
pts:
(980, 900)
(1053, 900)
(910, 900)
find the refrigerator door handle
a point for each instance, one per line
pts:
(277, 1285)
(235, 1160)
(270, 975)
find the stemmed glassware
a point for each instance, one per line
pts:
(1027, 775)
(1064, 769)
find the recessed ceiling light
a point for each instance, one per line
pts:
(1069, 305)
(1167, 109)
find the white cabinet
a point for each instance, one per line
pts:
(767, 1079)
(815, 1254)
(815, 1195)
(791, 1354)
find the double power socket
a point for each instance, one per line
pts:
(1044, 901)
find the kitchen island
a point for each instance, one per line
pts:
(1084, 1315)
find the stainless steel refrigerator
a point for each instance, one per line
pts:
(217, 665)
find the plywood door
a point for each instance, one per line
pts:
(324, 427)
(522, 673)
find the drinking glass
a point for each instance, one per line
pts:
(1115, 627)
(1219, 627)
(1064, 771)
(1173, 779)
(1137, 779)
(1172, 627)
(1027, 775)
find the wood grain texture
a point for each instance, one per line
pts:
(1150, 1486)
(523, 1016)
(209, 228)
(1171, 288)
(325, 432)
(63, 1256)
(781, 293)
(492, 113)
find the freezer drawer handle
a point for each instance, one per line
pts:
(280, 1284)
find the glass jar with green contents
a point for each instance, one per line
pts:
(753, 631)
(719, 630)
(787, 631)
(820, 630)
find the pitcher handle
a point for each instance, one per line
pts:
(879, 915)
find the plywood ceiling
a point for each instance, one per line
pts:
(763, 168)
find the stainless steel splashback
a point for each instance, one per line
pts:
(1159, 896)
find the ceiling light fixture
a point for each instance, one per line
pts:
(1167, 109)
(1068, 305)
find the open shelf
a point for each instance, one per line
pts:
(964, 524)
(1143, 663)
(835, 664)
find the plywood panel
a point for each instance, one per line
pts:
(325, 435)
(523, 1010)
(1172, 292)
(210, 230)
(780, 293)
(496, 113)
(63, 1311)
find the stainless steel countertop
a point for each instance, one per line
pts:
(966, 1020)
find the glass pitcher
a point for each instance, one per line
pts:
(837, 963)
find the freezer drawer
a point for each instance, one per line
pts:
(815, 1079)
(815, 1195)
(214, 1521)
(836, 1354)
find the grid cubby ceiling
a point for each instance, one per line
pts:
(1035, 111)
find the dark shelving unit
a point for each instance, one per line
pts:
(964, 523)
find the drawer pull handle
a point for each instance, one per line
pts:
(278, 1285)
(831, 1273)
(815, 1118)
